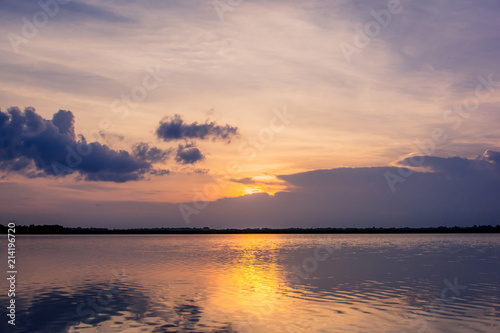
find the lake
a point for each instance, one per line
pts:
(256, 283)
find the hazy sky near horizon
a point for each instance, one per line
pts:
(229, 98)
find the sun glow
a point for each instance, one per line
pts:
(252, 190)
(263, 184)
(265, 178)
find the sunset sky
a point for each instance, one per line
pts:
(279, 113)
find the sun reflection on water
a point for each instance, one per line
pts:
(252, 282)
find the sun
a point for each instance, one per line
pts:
(265, 184)
(257, 184)
(252, 190)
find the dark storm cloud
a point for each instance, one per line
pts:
(174, 128)
(37, 147)
(188, 154)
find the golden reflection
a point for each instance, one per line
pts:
(252, 282)
(254, 295)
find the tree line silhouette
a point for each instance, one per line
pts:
(56, 229)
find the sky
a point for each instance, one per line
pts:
(234, 113)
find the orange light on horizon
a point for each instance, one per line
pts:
(265, 184)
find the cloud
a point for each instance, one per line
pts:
(65, 121)
(341, 197)
(152, 154)
(486, 164)
(188, 154)
(190, 169)
(37, 147)
(174, 128)
(244, 181)
(492, 156)
(457, 191)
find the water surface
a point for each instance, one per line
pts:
(257, 283)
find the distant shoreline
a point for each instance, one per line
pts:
(61, 230)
